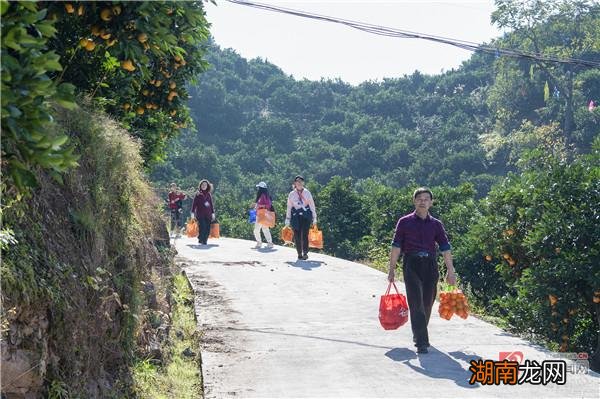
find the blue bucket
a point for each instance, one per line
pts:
(252, 216)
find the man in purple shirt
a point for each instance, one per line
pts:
(416, 236)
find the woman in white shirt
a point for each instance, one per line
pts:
(301, 213)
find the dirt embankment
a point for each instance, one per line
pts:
(84, 271)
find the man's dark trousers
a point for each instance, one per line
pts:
(421, 276)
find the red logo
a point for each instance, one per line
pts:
(582, 356)
(515, 356)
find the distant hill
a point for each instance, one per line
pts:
(254, 123)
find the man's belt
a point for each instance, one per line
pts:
(420, 254)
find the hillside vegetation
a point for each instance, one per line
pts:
(73, 273)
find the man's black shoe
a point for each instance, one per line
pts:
(415, 342)
(422, 349)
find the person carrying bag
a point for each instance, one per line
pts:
(265, 215)
(301, 213)
(203, 210)
(175, 202)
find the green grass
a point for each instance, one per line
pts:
(179, 376)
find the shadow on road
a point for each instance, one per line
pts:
(306, 264)
(401, 354)
(200, 246)
(344, 341)
(436, 364)
(266, 250)
(465, 356)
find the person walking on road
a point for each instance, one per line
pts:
(415, 238)
(263, 201)
(203, 210)
(301, 212)
(175, 202)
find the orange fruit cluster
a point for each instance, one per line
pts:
(453, 302)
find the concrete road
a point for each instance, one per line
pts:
(274, 327)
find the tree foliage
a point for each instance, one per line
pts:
(136, 57)
(133, 58)
(28, 95)
(532, 254)
(563, 29)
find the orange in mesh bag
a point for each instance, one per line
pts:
(215, 230)
(393, 309)
(191, 229)
(453, 302)
(315, 237)
(265, 217)
(287, 235)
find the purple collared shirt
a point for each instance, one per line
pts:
(414, 234)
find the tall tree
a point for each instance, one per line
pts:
(563, 29)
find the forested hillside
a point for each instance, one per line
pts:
(254, 122)
(509, 144)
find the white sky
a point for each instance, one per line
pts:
(313, 49)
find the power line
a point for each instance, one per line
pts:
(405, 34)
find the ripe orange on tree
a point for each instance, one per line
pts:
(90, 45)
(95, 29)
(106, 14)
(127, 65)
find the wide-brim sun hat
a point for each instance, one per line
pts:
(262, 184)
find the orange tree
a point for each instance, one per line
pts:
(28, 94)
(134, 59)
(536, 246)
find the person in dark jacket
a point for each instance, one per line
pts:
(203, 210)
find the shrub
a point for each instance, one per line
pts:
(534, 252)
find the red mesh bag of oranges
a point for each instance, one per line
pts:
(453, 302)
